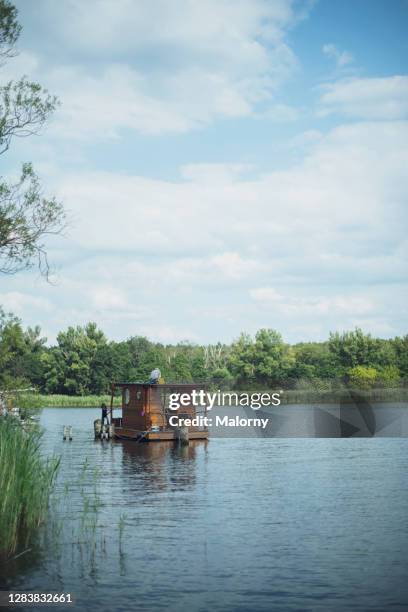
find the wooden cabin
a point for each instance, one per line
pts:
(146, 412)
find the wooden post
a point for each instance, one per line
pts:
(181, 435)
(97, 428)
(111, 402)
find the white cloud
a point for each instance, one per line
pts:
(367, 98)
(342, 58)
(224, 29)
(348, 193)
(280, 113)
(162, 66)
(19, 302)
(213, 173)
(315, 306)
(266, 294)
(233, 266)
(331, 227)
(108, 297)
(305, 140)
(168, 333)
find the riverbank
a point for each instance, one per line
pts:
(291, 396)
(302, 396)
(74, 401)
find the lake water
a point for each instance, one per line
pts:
(241, 524)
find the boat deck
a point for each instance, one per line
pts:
(126, 433)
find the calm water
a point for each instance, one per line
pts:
(233, 524)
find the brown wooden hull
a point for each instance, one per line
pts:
(126, 433)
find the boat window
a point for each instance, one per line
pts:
(138, 395)
(127, 396)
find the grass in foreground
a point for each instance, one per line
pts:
(26, 481)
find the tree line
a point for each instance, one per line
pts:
(84, 361)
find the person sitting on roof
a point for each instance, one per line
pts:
(155, 375)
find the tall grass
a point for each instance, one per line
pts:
(304, 396)
(75, 401)
(26, 480)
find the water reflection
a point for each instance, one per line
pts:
(157, 466)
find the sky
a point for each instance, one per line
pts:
(226, 165)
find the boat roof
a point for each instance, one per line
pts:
(163, 386)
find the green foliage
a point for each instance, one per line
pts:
(9, 28)
(389, 376)
(265, 360)
(24, 108)
(26, 216)
(313, 360)
(353, 348)
(401, 355)
(362, 377)
(19, 353)
(240, 361)
(26, 480)
(84, 362)
(81, 401)
(80, 362)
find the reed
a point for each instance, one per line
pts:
(346, 395)
(75, 401)
(26, 481)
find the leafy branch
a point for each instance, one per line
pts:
(26, 218)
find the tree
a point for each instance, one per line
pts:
(389, 376)
(265, 361)
(181, 368)
(362, 377)
(20, 353)
(26, 216)
(353, 348)
(272, 358)
(77, 350)
(199, 372)
(31, 363)
(401, 355)
(9, 29)
(241, 359)
(313, 361)
(12, 347)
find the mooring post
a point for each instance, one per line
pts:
(70, 433)
(65, 432)
(181, 435)
(97, 428)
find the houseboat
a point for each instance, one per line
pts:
(146, 414)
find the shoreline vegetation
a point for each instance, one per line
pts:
(287, 396)
(26, 482)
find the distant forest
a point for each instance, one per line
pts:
(84, 361)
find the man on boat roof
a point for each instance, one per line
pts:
(155, 376)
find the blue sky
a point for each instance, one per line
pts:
(227, 165)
